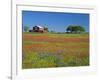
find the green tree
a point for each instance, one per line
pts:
(26, 28)
(75, 29)
(46, 29)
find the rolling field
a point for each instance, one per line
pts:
(54, 50)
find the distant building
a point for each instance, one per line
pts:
(37, 28)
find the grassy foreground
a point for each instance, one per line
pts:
(54, 50)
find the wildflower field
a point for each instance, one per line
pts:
(46, 50)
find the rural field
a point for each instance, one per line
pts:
(54, 50)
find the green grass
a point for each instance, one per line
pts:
(46, 60)
(59, 35)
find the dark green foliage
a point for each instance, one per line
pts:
(46, 29)
(75, 29)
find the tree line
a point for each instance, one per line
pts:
(69, 29)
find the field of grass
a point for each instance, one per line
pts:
(45, 50)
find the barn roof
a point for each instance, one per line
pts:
(39, 26)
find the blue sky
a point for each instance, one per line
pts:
(56, 21)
